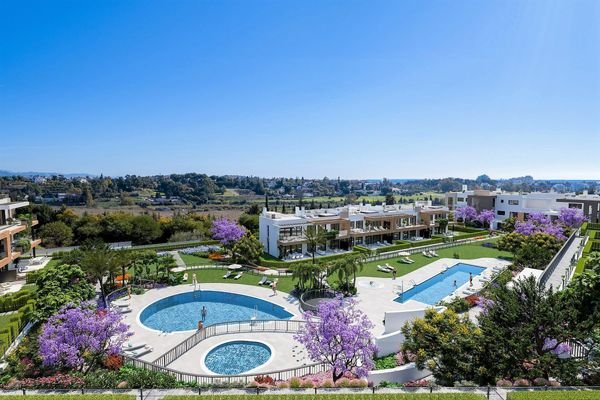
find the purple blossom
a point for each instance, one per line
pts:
(485, 304)
(81, 336)
(555, 347)
(339, 334)
(486, 217)
(227, 231)
(539, 223)
(571, 217)
(466, 213)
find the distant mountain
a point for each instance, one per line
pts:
(30, 174)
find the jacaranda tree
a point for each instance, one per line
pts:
(80, 337)
(227, 232)
(466, 214)
(339, 334)
(486, 217)
(571, 217)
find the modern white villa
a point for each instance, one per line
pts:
(283, 235)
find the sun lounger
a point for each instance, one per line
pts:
(122, 310)
(405, 261)
(426, 254)
(433, 253)
(469, 291)
(388, 266)
(227, 275)
(383, 268)
(238, 276)
(133, 346)
(264, 281)
(139, 352)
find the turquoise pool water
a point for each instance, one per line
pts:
(182, 312)
(436, 288)
(233, 358)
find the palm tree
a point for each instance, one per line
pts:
(315, 236)
(165, 263)
(346, 268)
(98, 263)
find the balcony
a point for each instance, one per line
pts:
(35, 243)
(291, 240)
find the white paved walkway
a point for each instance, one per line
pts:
(556, 279)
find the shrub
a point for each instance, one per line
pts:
(328, 383)
(456, 255)
(307, 384)
(343, 382)
(540, 382)
(295, 383)
(282, 385)
(58, 381)
(386, 362)
(264, 380)
(504, 383)
(357, 383)
(417, 383)
(521, 383)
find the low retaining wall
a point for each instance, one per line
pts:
(389, 343)
(401, 374)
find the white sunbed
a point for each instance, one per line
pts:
(139, 352)
(133, 346)
(122, 310)
(433, 253)
(264, 281)
(405, 261)
(426, 254)
(227, 275)
(383, 268)
(238, 276)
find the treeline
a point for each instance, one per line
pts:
(64, 228)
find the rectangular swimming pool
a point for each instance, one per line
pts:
(441, 285)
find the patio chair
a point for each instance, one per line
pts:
(129, 346)
(426, 254)
(227, 275)
(383, 268)
(263, 281)
(238, 276)
(433, 253)
(139, 352)
(410, 260)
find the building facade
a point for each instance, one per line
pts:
(588, 203)
(348, 226)
(520, 205)
(11, 229)
(479, 199)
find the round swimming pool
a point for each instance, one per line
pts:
(181, 312)
(237, 357)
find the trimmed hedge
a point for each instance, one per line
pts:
(398, 245)
(361, 249)
(289, 264)
(460, 228)
(590, 246)
(584, 228)
(155, 247)
(348, 396)
(580, 266)
(16, 322)
(555, 395)
(14, 301)
(593, 226)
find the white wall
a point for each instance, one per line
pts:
(389, 343)
(401, 374)
(395, 320)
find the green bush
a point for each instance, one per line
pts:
(386, 362)
(593, 226)
(399, 245)
(361, 249)
(460, 228)
(458, 305)
(580, 267)
(14, 301)
(554, 395)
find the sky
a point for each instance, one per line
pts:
(356, 89)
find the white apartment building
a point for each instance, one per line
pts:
(284, 234)
(520, 205)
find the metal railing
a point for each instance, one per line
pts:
(315, 294)
(224, 328)
(554, 263)
(160, 364)
(413, 250)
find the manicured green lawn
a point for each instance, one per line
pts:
(555, 395)
(284, 283)
(71, 397)
(191, 260)
(466, 252)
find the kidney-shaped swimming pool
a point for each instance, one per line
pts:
(181, 312)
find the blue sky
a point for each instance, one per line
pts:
(357, 89)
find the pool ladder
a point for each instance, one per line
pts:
(413, 282)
